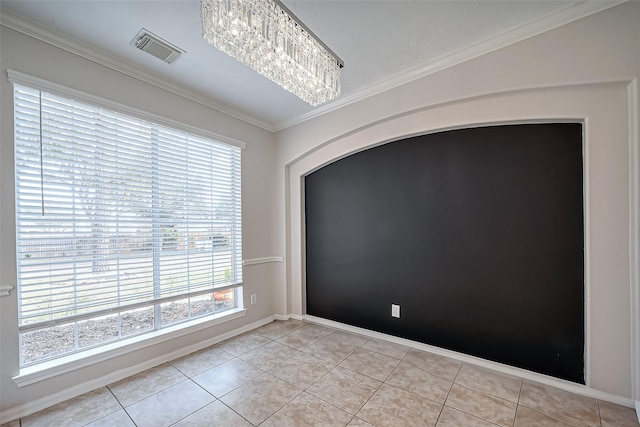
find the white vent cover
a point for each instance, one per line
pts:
(154, 45)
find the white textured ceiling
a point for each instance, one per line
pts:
(383, 43)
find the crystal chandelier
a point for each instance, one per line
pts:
(267, 37)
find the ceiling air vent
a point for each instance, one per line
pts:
(154, 45)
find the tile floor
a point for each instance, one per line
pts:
(291, 373)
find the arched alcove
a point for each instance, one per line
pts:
(476, 234)
(604, 110)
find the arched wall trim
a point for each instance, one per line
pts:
(604, 109)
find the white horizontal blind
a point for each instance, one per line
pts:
(115, 212)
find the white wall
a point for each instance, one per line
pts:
(583, 71)
(27, 55)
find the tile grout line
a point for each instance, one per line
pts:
(547, 415)
(368, 376)
(399, 388)
(216, 399)
(518, 402)
(384, 354)
(121, 405)
(331, 370)
(474, 391)
(235, 412)
(448, 393)
(430, 372)
(155, 391)
(377, 388)
(219, 399)
(283, 406)
(263, 372)
(311, 343)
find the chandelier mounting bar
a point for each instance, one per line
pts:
(311, 33)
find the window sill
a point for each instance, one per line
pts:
(49, 369)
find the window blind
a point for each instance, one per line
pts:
(114, 212)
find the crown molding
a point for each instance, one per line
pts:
(508, 37)
(546, 23)
(77, 47)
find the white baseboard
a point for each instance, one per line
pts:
(85, 387)
(296, 317)
(281, 317)
(522, 373)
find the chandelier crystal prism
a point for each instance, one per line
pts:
(266, 36)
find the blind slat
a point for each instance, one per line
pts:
(112, 210)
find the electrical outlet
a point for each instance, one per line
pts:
(395, 310)
(253, 298)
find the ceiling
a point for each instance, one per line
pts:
(383, 43)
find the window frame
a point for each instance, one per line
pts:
(159, 334)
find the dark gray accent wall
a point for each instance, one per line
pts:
(478, 234)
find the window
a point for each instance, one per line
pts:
(123, 226)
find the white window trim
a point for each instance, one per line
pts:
(73, 362)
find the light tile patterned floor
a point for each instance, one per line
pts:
(296, 374)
